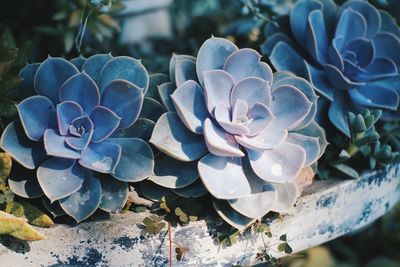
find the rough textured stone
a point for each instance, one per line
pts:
(327, 209)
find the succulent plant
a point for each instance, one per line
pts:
(246, 132)
(349, 54)
(72, 141)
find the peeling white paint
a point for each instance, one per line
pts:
(328, 209)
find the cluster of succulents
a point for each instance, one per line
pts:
(221, 123)
(349, 54)
(245, 132)
(71, 141)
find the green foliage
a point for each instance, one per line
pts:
(227, 235)
(11, 60)
(346, 157)
(70, 23)
(153, 224)
(181, 209)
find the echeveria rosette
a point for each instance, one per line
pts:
(248, 131)
(70, 139)
(349, 53)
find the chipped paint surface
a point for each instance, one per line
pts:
(328, 209)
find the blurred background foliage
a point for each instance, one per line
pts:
(32, 30)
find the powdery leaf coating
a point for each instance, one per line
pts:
(65, 132)
(247, 116)
(351, 57)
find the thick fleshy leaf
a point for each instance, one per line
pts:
(95, 64)
(78, 62)
(190, 105)
(299, 15)
(267, 139)
(363, 50)
(261, 199)
(23, 182)
(320, 82)
(314, 130)
(172, 137)
(54, 208)
(114, 194)
(67, 111)
(224, 176)
(185, 69)
(136, 162)
(219, 142)
(84, 202)
(142, 128)
(272, 40)
(56, 146)
(287, 196)
(246, 63)
(173, 61)
(51, 74)
(79, 143)
(338, 80)
(102, 157)
(26, 152)
(308, 143)
(153, 191)
(165, 91)
(339, 110)
(172, 173)
(280, 75)
(124, 68)
(334, 55)
(303, 85)
(386, 46)
(260, 116)
(280, 165)
(351, 25)
(284, 58)
(37, 114)
(375, 96)
(125, 99)
(83, 90)
(231, 216)
(223, 117)
(156, 80)
(105, 122)
(369, 13)
(388, 23)
(151, 109)
(60, 178)
(289, 107)
(380, 68)
(27, 74)
(252, 90)
(317, 37)
(217, 88)
(194, 190)
(212, 55)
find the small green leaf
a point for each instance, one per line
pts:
(347, 170)
(281, 247)
(5, 165)
(147, 221)
(283, 237)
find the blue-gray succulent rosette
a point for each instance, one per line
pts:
(69, 141)
(245, 132)
(349, 53)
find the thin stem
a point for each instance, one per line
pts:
(170, 244)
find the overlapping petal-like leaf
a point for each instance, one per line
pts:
(343, 51)
(65, 133)
(258, 129)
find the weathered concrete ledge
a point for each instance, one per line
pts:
(328, 209)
